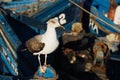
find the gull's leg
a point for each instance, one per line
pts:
(45, 63)
(41, 69)
(39, 59)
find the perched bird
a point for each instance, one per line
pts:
(46, 43)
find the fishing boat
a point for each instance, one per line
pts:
(100, 24)
(99, 12)
(16, 28)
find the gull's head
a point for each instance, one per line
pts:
(54, 23)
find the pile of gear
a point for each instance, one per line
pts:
(92, 49)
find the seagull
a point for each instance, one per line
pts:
(46, 42)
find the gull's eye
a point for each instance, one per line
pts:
(53, 21)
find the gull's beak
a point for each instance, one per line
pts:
(62, 27)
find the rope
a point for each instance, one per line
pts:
(94, 15)
(3, 11)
